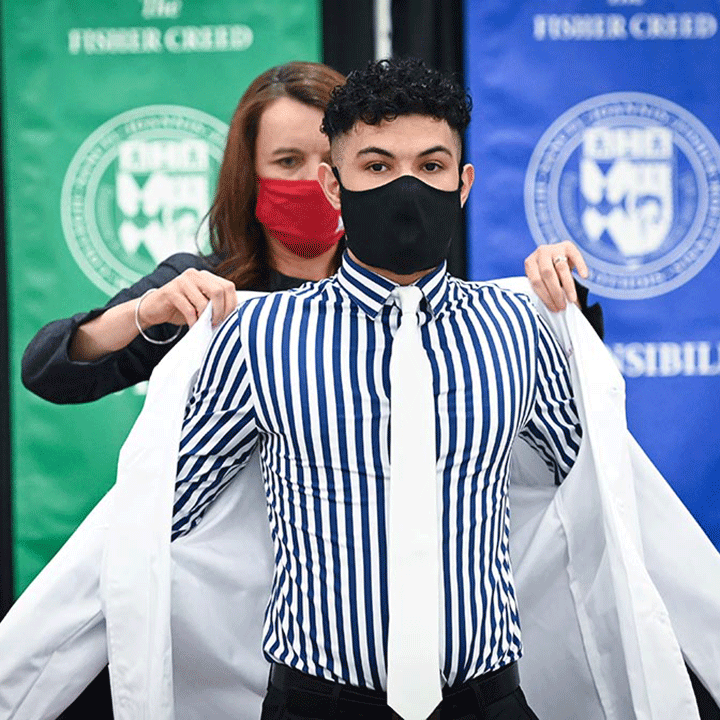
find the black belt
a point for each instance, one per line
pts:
(478, 693)
(323, 697)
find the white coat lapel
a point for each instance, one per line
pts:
(632, 651)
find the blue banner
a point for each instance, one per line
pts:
(596, 122)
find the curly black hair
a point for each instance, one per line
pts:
(388, 88)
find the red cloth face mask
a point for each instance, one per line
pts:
(297, 213)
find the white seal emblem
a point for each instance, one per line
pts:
(137, 190)
(633, 180)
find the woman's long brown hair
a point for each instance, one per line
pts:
(235, 233)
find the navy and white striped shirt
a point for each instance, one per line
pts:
(304, 375)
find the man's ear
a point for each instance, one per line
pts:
(329, 184)
(466, 176)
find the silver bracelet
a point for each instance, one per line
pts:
(142, 332)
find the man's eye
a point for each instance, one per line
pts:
(377, 167)
(433, 166)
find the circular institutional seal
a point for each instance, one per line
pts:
(137, 190)
(633, 180)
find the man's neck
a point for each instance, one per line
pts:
(393, 277)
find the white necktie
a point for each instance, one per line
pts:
(413, 684)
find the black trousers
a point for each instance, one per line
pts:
(293, 695)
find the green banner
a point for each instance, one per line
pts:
(115, 122)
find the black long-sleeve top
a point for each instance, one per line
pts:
(48, 371)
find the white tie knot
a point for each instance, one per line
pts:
(408, 298)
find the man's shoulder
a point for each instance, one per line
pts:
(503, 292)
(284, 301)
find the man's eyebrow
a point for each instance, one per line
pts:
(434, 149)
(375, 151)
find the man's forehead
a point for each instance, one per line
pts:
(406, 135)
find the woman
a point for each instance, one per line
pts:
(259, 242)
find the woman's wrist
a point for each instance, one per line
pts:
(141, 327)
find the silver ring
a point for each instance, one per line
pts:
(559, 259)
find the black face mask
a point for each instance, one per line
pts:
(404, 226)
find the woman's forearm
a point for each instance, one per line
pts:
(111, 331)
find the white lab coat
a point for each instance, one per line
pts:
(615, 580)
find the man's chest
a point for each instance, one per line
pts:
(329, 390)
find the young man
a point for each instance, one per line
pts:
(308, 376)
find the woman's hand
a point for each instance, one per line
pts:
(182, 300)
(549, 270)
